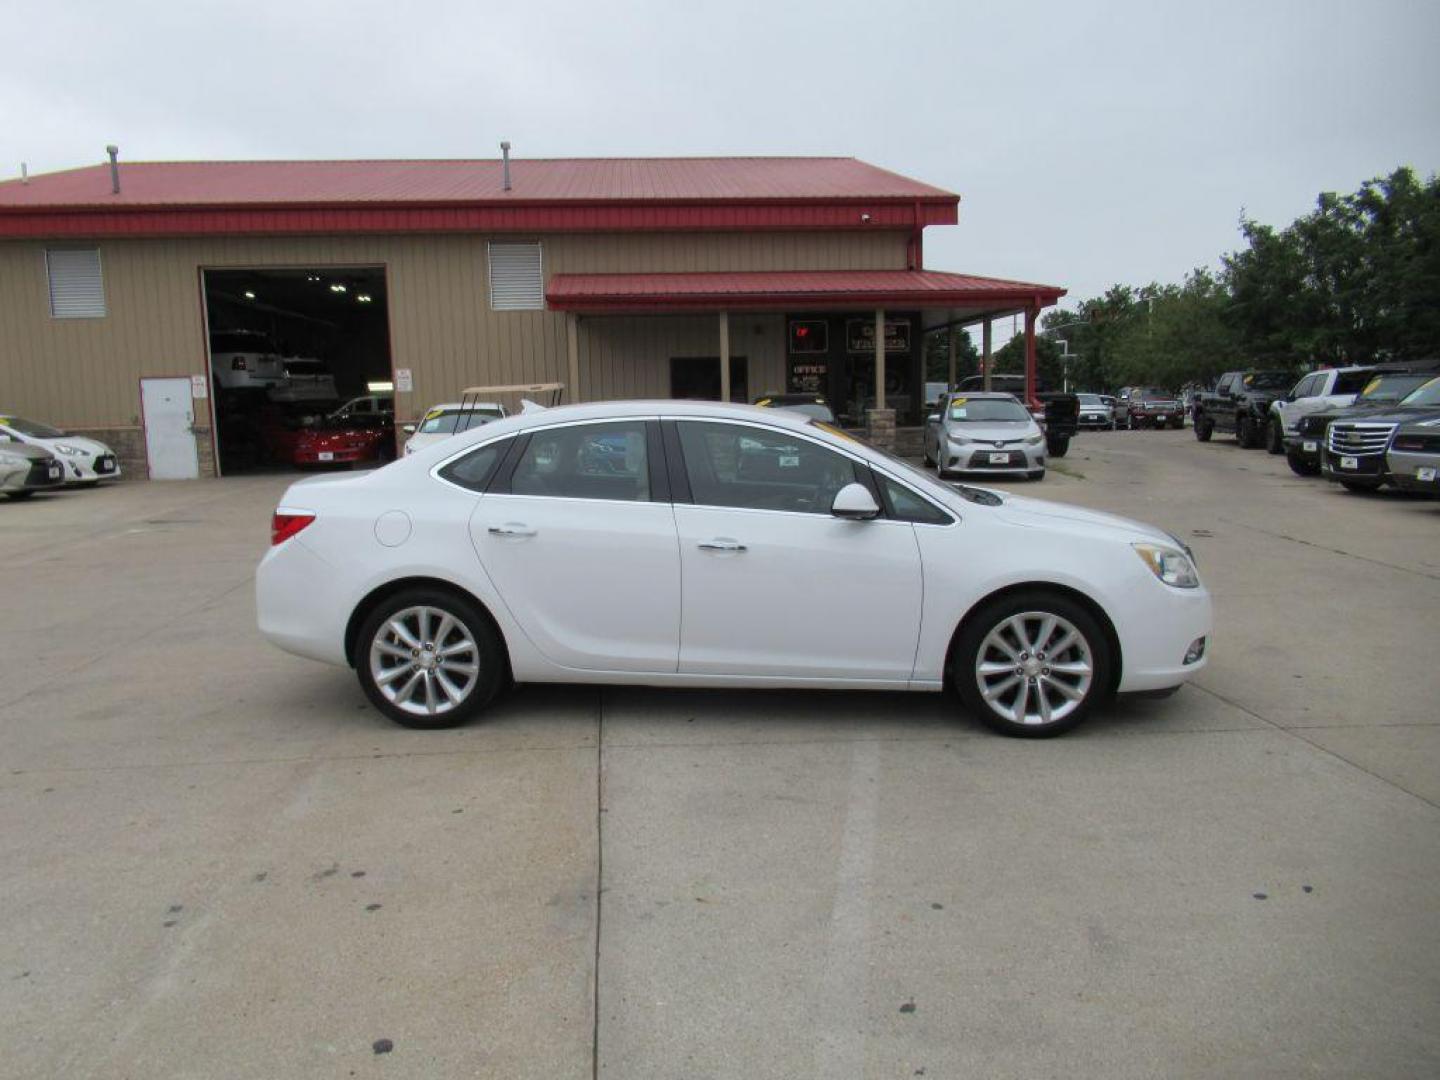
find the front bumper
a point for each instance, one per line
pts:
(1413, 471)
(38, 477)
(1149, 418)
(1305, 449)
(82, 469)
(1352, 466)
(1153, 649)
(1095, 421)
(982, 458)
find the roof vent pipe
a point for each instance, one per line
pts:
(114, 152)
(505, 163)
(24, 173)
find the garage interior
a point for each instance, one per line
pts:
(322, 338)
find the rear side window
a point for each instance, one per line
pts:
(586, 461)
(1352, 382)
(475, 469)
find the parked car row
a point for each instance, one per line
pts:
(1364, 427)
(35, 456)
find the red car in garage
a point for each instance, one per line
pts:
(347, 444)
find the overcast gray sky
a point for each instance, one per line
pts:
(1091, 143)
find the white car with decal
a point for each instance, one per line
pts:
(451, 418)
(85, 461)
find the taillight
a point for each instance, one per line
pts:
(285, 525)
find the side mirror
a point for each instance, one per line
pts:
(933, 418)
(409, 429)
(855, 503)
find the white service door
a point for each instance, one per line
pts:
(169, 441)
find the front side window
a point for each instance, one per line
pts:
(586, 461)
(905, 505)
(761, 469)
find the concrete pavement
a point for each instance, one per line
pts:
(221, 862)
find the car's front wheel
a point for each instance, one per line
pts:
(1275, 438)
(1032, 664)
(1204, 428)
(428, 658)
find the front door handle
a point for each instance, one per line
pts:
(511, 528)
(721, 545)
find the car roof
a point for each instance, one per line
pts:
(458, 405)
(985, 395)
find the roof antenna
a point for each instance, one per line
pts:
(114, 152)
(505, 156)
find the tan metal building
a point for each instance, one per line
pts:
(619, 278)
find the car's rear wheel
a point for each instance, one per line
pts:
(1032, 664)
(428, 658)
(1204, 429)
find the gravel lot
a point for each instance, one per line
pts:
(220, 862)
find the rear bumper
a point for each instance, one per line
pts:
(298, 604)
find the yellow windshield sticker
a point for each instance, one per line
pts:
(1371, 385)
(763, 401)
(1248, 379)
(833, 430)
(432, 414)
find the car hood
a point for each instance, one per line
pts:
(1391, 415)
(1001, 432)
(90, 446)
(1043, 514)
(25, 450)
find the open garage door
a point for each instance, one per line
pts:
(300, 367)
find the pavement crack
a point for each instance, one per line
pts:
(599, 875)
(1295, 733)
(1332, 550)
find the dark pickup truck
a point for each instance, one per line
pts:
(1060, 419)
(1240, 403)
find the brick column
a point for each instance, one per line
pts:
(880, 428)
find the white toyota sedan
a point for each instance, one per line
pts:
(692, 544)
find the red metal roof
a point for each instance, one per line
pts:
(331, 183)
(278, 197)
(794, 289)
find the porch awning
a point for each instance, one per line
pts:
(793, 290)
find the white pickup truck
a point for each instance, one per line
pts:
(1330, 388)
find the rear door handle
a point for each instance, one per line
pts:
(511, 528)
(721, 545)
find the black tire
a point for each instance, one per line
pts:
(929, 461)
(488, 648)
(1361, 486)
(17, 495)
(1275, 437)
(1245, 433)
(1058, 446)
(1204, 428)
(967, 656)
(1037, 474)
(1300, 466)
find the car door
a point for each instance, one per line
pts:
(577, 534)
(773, 583)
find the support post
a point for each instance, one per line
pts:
(572, 353)
(880, 421)
(725, 356)
(954, 355)
(879, 358)
(1030, 398)
(985, 356)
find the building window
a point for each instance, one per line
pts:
(517, 282)
(77, 291)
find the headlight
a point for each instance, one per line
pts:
(67, 449)
(960, 440)
(1035, 440)
(1169, 565)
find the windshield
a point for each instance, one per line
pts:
(987, 410)
(1393, 387)
(811, 409)
(1091, 401)
(1429, 394)
(1269, 380)
(32, 428)
(449, 421)
(1151, 394)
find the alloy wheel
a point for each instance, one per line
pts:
(1034, 668)
(424, 661)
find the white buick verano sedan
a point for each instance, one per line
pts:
(691, 544)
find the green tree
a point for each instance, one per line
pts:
(937, 355)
